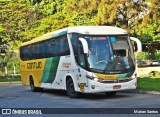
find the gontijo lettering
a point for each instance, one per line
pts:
(34, 65)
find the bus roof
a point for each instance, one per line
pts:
(92, 30)
(97, 30)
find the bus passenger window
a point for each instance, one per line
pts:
(63, 46)
(29, 52)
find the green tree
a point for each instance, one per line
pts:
(107, 12)
(81, 12)
(15, 19)
(9, 61)
(147, 28)
(23, 20)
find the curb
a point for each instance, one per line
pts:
(16, 82)
(144, 92)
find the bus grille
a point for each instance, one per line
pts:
(115, 81)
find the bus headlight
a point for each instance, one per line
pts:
(90, 77)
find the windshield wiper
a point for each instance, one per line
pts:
(96, 70)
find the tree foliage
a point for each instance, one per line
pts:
(16, 19)
(23, 20)
(147, 28)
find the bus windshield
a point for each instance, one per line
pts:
(107, 54)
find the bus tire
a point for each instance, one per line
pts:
(71, 90)
(33, 88)
(111, 93)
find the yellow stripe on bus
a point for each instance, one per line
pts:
(107, 77)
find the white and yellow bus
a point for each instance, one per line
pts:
(81, 59)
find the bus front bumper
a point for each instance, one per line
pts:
(95, 87)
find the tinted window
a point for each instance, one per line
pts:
(62, 46)
(42, 49)
(50, 48)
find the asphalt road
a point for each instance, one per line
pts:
(19, 96)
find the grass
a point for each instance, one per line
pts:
(13, 79)
(148, 84)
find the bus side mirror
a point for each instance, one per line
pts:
(138, 42)
(84, 45)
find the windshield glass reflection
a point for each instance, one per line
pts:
(107, 54)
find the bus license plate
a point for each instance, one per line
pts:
(116, 86)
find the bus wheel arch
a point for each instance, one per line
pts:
(70, 88)
(32, 85)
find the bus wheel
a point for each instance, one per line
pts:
(33, 88)
(70, 89)
(110, 93)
